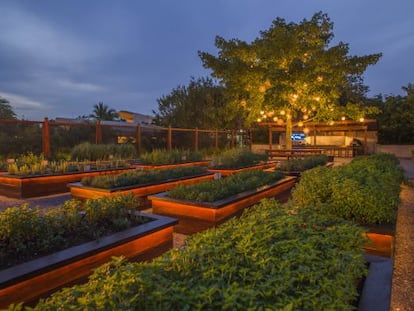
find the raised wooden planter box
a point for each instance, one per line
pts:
(229, 171)
(299, 173)
(39, 185)
(198, 216)
(381, 242)
(40, 277)
(167, 166)
(79, 191)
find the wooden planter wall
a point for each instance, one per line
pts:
(32, 186)
(40, 277)
(79, 191)
(198, 216)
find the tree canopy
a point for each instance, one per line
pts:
(201, 104)
(292, 73)
(396, 120)
(6, 110)
(103, 112)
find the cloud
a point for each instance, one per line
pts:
(79, 86)
(43, 41)
(22, 102)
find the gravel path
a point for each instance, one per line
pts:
(402, 293)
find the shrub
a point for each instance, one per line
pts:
(175, 156)
(365, 190)
(27, 233)
(141, 177)
(236, 158)
(269, 259)
(31, 164)
(300, 165)
(213, 190)
(94, 152)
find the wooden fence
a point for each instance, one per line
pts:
(167, 138)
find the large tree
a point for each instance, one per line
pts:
(396, 120)
(103, 112)
(290, 74)
(6, 110)
(201, 104)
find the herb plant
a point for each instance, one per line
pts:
(300, 165)
(213, 190)
(366, 190)
(271, 258)
(141, 177)
(175, 156)
(27, 233)
(236, 158)
(96, 152)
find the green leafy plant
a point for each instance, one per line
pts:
(31, 164)
(271, 258)
(141, 177)
(365, 190)
(300, 165)
(175, 156)
(27, 233)
(236, 158)
(213, 190)
(96, 152)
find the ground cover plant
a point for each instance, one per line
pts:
(214, 190)
(141, 177)
(27, 233)
(236, 158)
(302, 164)
(175, 156)
(272, 258)
(31, 164)
(366, 190)
(96, 152)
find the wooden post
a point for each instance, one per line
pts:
(196, 139)
(138, 139)
(232, 138)
(216, 139)
(365, 141)
(270, 138)
(169, 138)
(98, 133)
(46, 138)
(314, 135)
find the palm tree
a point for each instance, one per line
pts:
(103, 112)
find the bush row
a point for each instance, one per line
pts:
(162, 156)
(213, 190)
(300, 165)
(141, 177)
(27, 233)
(366, 190)
(236, 158)
(271, 258)
(31, 164)
(96, 152)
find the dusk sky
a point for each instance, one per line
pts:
(59, 58)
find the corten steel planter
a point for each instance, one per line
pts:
(79, 191)
(40, 277)
(38, 185)
(169, 166)
(197, 216)
(229, 171)
(381, 242)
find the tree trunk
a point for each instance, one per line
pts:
(288, 133)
